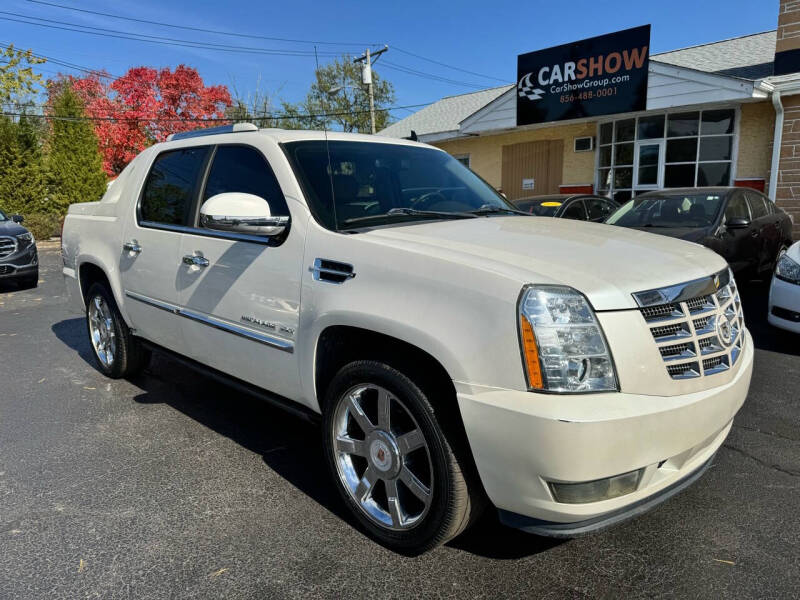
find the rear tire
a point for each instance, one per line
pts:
(117, 353)
(394, 466)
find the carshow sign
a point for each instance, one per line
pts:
(598, 76)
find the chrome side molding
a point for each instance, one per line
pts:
(267, 340)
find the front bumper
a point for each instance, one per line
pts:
(20, 264)
(785, 297)
(523, 440)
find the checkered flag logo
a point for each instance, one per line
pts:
(525, 89)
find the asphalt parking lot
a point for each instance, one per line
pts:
(173, 485)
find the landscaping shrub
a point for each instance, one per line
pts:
(43, 225)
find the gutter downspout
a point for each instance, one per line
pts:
(777, 140)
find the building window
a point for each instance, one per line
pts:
(674, 149)
(463, 159)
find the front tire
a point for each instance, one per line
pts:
(391, 461)
(117, 353)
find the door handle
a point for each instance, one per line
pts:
(195, 260)
(132, 246)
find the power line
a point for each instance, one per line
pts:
(189, 28)
(250, 36)
(67, 64)
(208, 120)
(436, 62)
(431, 76)
(113, 33)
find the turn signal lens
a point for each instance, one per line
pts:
(531, 352)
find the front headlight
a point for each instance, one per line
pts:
(787, 269)
(25, 239)
(563, 345)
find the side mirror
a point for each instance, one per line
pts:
(737, 223)
(17, 218)
(241, 213)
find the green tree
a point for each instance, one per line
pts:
(339, 93)
(74, 164)
(17, 78)
(22, 180)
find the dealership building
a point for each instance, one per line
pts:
(722, 113)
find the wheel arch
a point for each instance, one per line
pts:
(90, 272)
(338, 345)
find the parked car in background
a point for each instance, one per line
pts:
(742, 225)
(458, 352)
(19, 260)
(784, 292)
(581, 207)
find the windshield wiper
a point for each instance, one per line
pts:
(412, 212)
(488, 209)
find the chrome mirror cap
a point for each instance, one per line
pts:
(241, 213)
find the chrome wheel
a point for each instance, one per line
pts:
(101, 330)
(382, 457)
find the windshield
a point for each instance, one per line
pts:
(680, 210)
(377, 183)
(3, 216)
(541, 207)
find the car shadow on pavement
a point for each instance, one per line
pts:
(72, 332)
(289, 446)
(292, 448)
(755, 302)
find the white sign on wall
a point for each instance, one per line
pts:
(528, 184)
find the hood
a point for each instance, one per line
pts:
(794, 252)
(605, 262)
(11, 228)
(690, 234)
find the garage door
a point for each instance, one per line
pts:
(532, 168)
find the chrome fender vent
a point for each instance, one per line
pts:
(331, 271)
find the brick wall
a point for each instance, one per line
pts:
(787, 45)
(788, 37)
(787, 194)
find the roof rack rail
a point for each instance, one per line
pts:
(235, 128)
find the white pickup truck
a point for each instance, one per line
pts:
(459, 353)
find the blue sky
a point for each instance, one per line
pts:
(482, 37)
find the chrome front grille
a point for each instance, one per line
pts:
(8, 246)
(698, 326)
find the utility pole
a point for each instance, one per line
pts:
(366, 78)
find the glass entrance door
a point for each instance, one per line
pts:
(649, 165)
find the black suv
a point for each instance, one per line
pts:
(19, 260)
(742, 225)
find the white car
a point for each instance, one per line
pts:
(784, 292)
(457, 353)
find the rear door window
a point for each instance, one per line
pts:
(171, 186)
(244, 169)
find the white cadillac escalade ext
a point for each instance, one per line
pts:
(571, 374)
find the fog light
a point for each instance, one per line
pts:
(597, 490)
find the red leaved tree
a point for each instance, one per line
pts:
(144, 106)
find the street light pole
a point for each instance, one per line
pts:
(366, 78)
